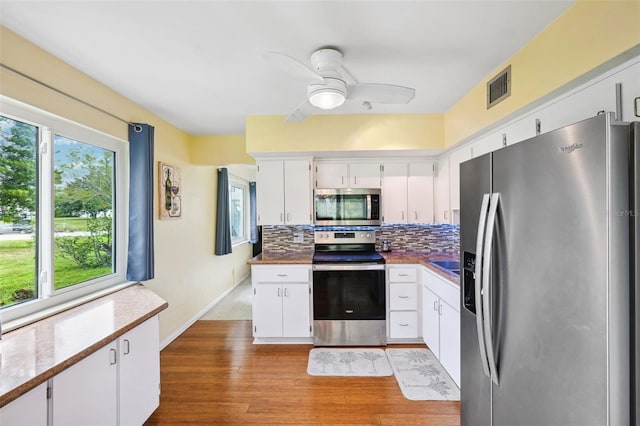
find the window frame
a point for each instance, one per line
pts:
(244, 185)
(49, 300)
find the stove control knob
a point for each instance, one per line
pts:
(368, 235)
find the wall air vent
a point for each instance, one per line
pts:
(499, 87)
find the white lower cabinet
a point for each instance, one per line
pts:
(281, 301)
(28, 410)
(403, 302)
(119, 384)
(441, 321)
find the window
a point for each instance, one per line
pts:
(238, 211)
(62, 210)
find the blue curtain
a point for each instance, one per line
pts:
(223, 224)
(140, 262)
(253, 214)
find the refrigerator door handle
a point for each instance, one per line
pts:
(479, 314)
(486, 282)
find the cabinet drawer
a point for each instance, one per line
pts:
(280, 274)
(403, 275)
(403, 325)
(403, 297)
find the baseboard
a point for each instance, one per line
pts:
(164, 343)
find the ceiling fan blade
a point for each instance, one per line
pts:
(380, 93)
(301, 112)
(291, 66)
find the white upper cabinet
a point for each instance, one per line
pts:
(364, 175)
(455, 159)
(443, 209)
(347, 175)
(420, 193)
(407, 192)
(332, 175)
(283, 192)
(394, 193)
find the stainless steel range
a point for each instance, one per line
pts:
(349, 300)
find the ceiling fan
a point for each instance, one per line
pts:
(331, 84)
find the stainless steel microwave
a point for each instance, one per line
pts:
(346, 206)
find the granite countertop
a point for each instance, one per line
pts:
(33, 354)
(394, 257)
(282, 258)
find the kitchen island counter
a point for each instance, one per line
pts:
(35, 353)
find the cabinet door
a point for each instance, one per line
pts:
(450, 340)
(420, 193)
(394, 193)
(364, 175)
(139, 373)
(297, 192)
(296, 320)
(28, 410)
(443, 213)
(332, 175)
(403, 325)
(86, 393)
(456, 158)
(431, 321)
(267, 310)
(270, 192)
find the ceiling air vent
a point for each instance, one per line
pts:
(499, 87)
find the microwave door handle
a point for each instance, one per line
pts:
(487, 284)
(369, 207)
(478, 276)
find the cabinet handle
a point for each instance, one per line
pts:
(355, 180)
(440, 309)
(342, 181)
(403, 275)
(282, 275)
(285, 292)
(279, 292)
(403, 325)
(114, 358)
(435, 308)
(445, 215)
(402, 213)
(415, 215)
(282, 220)
(288, 217)
(127, 346)
(403, 297)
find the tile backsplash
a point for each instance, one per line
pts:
(440, 238)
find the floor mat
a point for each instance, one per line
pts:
(348, 362)
(420, 375)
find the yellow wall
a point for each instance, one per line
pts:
(188, 275)
(270, 133)
(587, 35)
(218, 150)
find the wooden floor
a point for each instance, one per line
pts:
(212, 375)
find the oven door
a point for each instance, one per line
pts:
(349, 304)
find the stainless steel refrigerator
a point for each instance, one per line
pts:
(549, 245)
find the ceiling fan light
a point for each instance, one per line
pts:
(327, 98)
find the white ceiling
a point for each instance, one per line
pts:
(198, 64)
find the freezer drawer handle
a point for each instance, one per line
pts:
(482, 222)
(486, 283)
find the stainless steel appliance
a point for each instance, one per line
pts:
(548, 319)
(347, 207)
(349, 295)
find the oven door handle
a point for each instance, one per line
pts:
(350, 267)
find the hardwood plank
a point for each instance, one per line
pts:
(214, 374)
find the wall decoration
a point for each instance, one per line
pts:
(170, 191)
